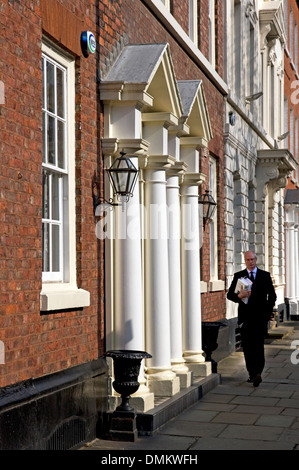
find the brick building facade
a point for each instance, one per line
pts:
(49, 341)
(57, 300)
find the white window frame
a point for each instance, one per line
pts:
(213, 222)
(296, 147)
(59, 290)
(212, 33)
(193, 30)
(296, 46)
(291, 34)
(215, 283)
(52, 170)
(166, 3)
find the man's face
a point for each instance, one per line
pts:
(250, 260)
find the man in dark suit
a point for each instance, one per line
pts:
(254, 315)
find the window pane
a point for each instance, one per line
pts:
(51, 140)
(60, 93)
(50, 88)
(55, 247)
(44, 137)
(61, 144)
(54, 178)
(55, 197)
(46, 250)
(46, 196)
(43, 72)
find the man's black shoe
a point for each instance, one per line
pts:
(257, 380)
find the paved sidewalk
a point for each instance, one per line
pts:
(235, 415)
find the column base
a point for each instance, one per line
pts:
(195, 362)
(184, 374)
(140, 402)
(185, 379)
(292, 307)
(202, 369)
(163, 383)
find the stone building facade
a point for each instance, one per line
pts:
(291, 123)
(257, 160)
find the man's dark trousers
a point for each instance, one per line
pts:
(253, 317)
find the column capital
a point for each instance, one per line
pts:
(177, 169)
(160, 162)
(193, 179)
(168, 119)
(194, 142)
(113, 146)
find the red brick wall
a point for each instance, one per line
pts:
(38, 344)
(141, 26)
(291, 83)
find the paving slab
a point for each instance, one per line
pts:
(236, 418)
(218, 398)
(258, 409)
(290, 435)
(192, 429)
(202, 416)
(157, 442)
(214, 443)
(229, 390)
(290, 412)
(254, 400)
(276, 393)
(288, 403)
(263, 433)
(275, 420)
(211, 406)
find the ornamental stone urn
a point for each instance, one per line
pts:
(126, 370)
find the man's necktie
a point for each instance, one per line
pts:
(251, 276)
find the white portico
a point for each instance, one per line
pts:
(152, 261)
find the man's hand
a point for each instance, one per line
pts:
(244, 293)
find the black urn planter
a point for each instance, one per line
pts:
(210, 332)
(126, 370)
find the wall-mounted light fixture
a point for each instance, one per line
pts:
(283, 136)
(123, 176)
(253, 97)
(209, 207)
(280, 138)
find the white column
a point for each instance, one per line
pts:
(128, 302)
(191, 301)
(296, 257)
(174, 252)
(161, 379)
(291, 262)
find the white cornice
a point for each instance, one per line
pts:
(271, 13)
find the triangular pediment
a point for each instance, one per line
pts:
(144, 72)
(195, 111)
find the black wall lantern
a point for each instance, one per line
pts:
(209, 206)
(123, 176)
